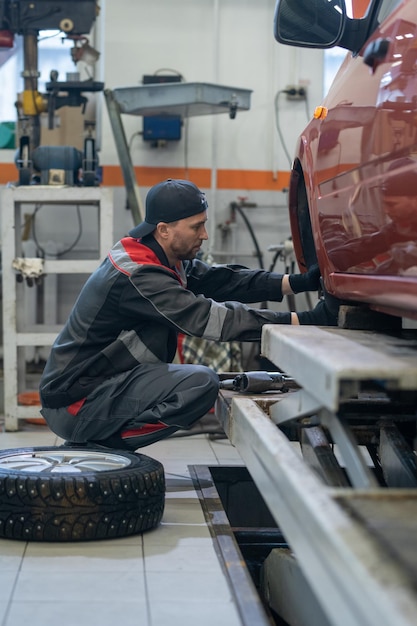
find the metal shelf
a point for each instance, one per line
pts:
(13, 199)
(183, 99)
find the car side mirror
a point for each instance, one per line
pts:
(309, 23)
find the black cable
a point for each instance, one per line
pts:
(278, 127)
(53, 36)
(237, 207)
(136, 134)
(71, 247)
(274, 260)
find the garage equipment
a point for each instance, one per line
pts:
(166, 100)
(74, 18)
(16, 332)
(257, 382)
(347, 504)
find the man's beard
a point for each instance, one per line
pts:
(188, 255)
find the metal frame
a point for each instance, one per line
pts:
(356, 577)
(134, 201)
(13, 199)
(247, 600)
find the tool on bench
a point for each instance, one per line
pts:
(258, 381)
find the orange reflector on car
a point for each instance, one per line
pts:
(320, 112)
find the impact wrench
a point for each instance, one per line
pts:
(256, 382)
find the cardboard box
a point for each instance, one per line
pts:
(68, 128)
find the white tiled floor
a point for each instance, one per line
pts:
(168, 576)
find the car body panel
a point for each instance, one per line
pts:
(358, 162)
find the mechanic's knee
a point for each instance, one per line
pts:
(206, 375)
(207, 379)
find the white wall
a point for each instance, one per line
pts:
(233, 47)
(227, 42)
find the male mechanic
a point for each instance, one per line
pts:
(109, 379)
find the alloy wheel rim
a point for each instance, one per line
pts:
(63, 461)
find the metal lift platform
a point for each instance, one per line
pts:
(334, 461)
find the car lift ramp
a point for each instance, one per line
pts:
(353, 533)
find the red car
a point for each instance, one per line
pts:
(353, 190)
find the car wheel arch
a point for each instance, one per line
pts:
(300, 220)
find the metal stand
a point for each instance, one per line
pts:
(134, 201)
(15, 336)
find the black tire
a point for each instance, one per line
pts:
(78, 494)
(305, 227)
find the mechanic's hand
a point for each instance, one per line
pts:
(310, 281)
(325, 313)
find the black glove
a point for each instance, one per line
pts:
(310, 281)
(325, 313)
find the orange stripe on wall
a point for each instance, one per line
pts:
(8, 173)
(148, 176)
(252, 179)
(226, 179)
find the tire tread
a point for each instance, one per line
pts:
(90, 506)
